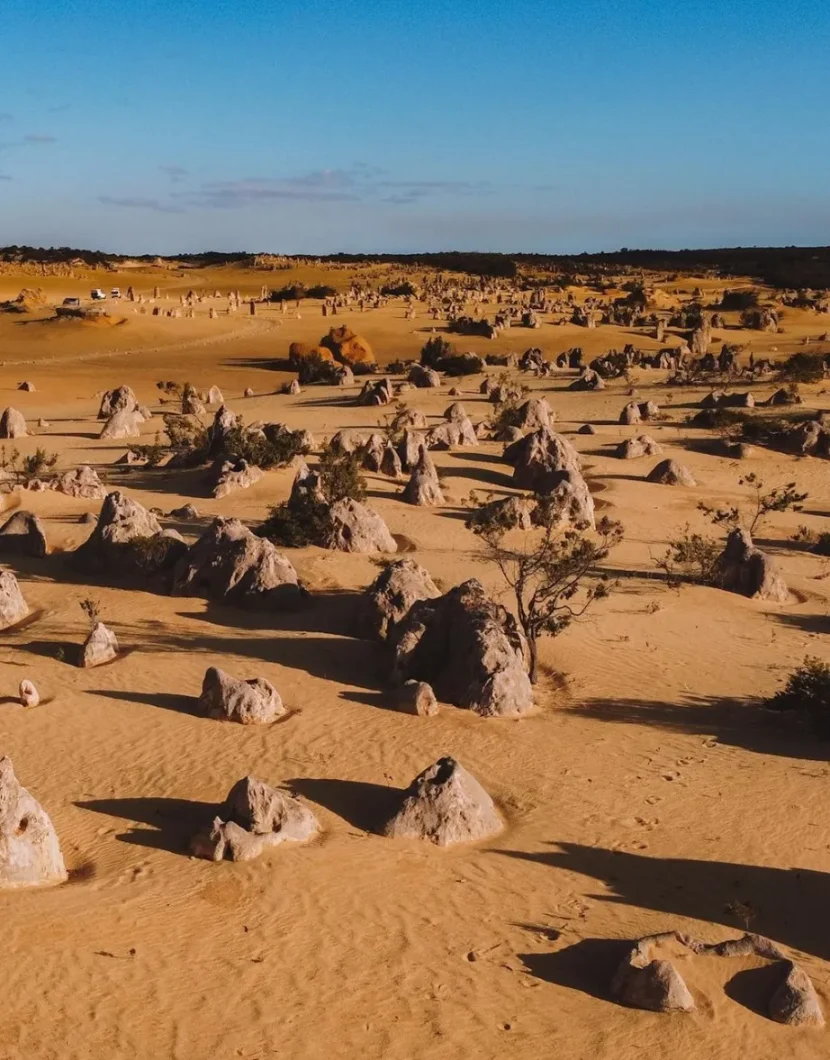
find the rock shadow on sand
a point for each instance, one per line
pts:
(172, 822)
(365, 806)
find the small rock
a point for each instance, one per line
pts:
(99, 647)
(415, 697)
(29, 696)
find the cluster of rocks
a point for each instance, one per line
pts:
(646, 980)
(466, 647)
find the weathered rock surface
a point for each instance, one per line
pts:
(468, 648)
(743, 568)
(423, 487)
(537, 456)
(230, 563)
(82, 482)
(356, 527)
(250, 702)
(795, 1001)
(228, 475)
(30, 854)
(13, 608)
(101, 646)
(415, 697)
(28, 694)
(390, 596)
(510, 512)
(634, 448)
(253, 817)
(445, 804)
(23, 535)
(670, 473)
(533, 414)
(568, 498)
(128, 541)
(113, 401)
(424, 378)
(126, 423)
(654, 985)
(12, 424)
(376, 392)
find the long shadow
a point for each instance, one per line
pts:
(268, 364)
(174, 821)
(336, 611)
(365, 806)
(479, 457)
(164, 700)
(753, 987)
(806, 623)
(732, 721)
(588, 965)
(789, 904)
(344, 660)
(479, 474)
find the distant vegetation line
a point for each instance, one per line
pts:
(784, 267)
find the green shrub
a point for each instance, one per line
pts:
(435, 350)
(341, 476)
(692, 557)
(803, 368)
(808, 692)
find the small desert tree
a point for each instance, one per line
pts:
(779, 499)
(552, 572)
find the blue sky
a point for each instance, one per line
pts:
(328, 125)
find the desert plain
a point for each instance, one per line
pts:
(647, 791)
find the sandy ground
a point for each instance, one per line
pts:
(646, 793)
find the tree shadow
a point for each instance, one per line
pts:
(789, 905)
(731, 721)
(365, 806)
(587, 965)
(806, 623)
(164, 700)
(173, 822)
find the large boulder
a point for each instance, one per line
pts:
(568, 499)
(445, 805)
(424, 378)
(113, 401)
(357, 528)
(743, 568)
(12, 424)
(510, 512)
(533, 414)
(670, 473)
(468, 648)
(126, 423)
(228, 475)
(348, 348)
(423, 487)
(82, 482)
(13, 608)
(451, 433)
(537, 456)
(391, 595)
(128, 541)
(30, 854)
(795, 1001)
(229, 563)
(250, 702)
(224, 422)
(371, 455)
(23, 535)
(254, 816)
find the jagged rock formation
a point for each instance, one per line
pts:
(101, 646)
(13, 608)
(254, 816)
(670, 473)
(12, 424)
(445, 804)
(82, 482)
(357, 528)
(128, 541)
(468, 648)
(634, 448)
(30, 854)
(228, 475)
(250, 702)
(393, 592)
(23, 535)
(536, 457)
(230, 563)
(113, 401)
(743, 568)
(423, 487)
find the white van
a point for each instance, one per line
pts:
(97, 295)
(115, 292)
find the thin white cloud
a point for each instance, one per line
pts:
(139, 203)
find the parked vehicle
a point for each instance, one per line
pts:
(73, 303)
(115, 292)
(97, 295)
